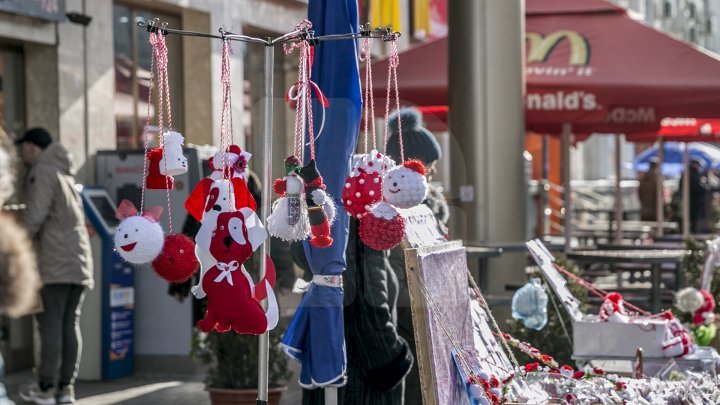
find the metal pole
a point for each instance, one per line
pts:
(86, 103)
(686, 192)
(264, 343)
(660, 190)
(618, 190)
(331, 395)
(567, 191)
(544, 218)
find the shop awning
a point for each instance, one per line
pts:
(589, 63)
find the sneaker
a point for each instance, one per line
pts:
(66, 395)
(33, 394)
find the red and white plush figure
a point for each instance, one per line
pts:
(382, 227)
(289, 220)
(405, 186)
(222, 197)
(613, 309)
(233, 299)
(196, 203)
(138, 238)
(705, 315)
(155, 179)
(173, 162)
(678, 342)
(363, 187)
(177, 261)
(235, 162)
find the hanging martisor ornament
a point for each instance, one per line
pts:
(289, 220)
(138, 238)
(176, 261)
(233, 299)
(304, 207)
(363, 187)
(382, 227)
(317, 200)
(234, 160)
(173, 162)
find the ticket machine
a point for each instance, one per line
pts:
(107, 321)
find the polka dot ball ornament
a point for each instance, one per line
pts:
(363, 187)
(382, 227)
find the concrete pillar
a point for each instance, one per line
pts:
(100, 82)
(486, 85)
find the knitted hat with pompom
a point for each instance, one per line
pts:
(418, 142)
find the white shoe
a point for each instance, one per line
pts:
(33, 394)
(66, 395)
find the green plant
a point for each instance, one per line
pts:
(552, 339)
(232, 359)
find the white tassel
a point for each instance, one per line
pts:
(278, 226)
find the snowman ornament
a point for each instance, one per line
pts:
(405, 186)
(138, 239)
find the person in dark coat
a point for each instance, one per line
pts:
(698, 194)
(647, 192)
(418, 143)
(378, 358)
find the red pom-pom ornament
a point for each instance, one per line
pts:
(382, 227)
(177, 261)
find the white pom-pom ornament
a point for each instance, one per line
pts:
(138, 239)
(173, 162)
(405, 186)
(689, 300)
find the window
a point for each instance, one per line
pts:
(132, 74)
(12, 100)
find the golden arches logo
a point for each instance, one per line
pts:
(540, 47)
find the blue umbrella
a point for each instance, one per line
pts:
(708, 155)
(316, 336)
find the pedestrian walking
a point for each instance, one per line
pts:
(54, 219)
(647, 192)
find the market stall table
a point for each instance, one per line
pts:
(655, 258)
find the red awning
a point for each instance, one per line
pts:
(682, 130)
(590, 64)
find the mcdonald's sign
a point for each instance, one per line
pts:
(540, 47)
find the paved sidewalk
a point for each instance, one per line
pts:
(181, 389)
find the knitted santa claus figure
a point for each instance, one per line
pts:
(382, 227)
(405, 186)
(613, 309)
(363, 187)
(139, 238)
(288, 220)
(705, 315)
(317, 200)
(234, 160)
(155, 179)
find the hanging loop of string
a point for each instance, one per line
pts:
(392, 85)
(368, 99)
(226, 117)
(146, 131)
(301, 94)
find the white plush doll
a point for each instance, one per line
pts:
(139, 239)
(289, 219)
(173, 162)
(405, 186)
(234, 160)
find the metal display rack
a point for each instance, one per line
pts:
(298, 35)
